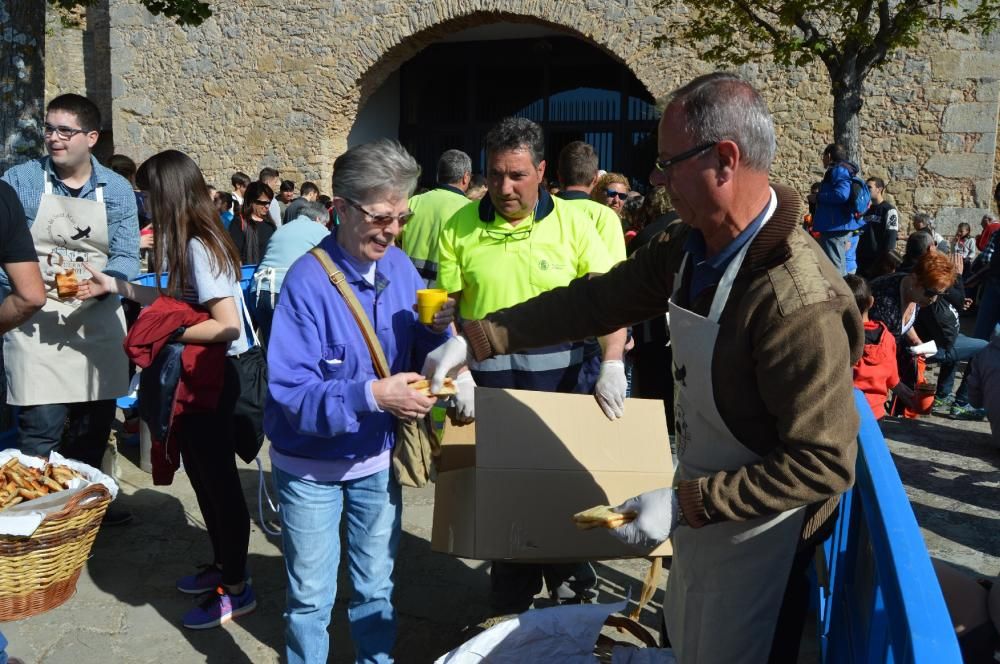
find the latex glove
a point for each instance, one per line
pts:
(446, 360)
(611, 387)
(465, 400)
(657, 514)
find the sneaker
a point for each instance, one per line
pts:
(116, 516)
(206, 580)
(967, 412)
(942, 406)
(220, 607)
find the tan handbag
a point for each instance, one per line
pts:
(416, 442)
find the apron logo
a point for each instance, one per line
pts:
(81, 234)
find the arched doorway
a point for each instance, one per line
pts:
(450, 93)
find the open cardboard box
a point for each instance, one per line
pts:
(508, 485)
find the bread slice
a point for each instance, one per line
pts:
(424, 387)
(602, 516)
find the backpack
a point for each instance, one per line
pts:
(860, 199)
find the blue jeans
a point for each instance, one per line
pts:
(836, 245)
(989, 309)
(965, 348)
(310, 534)
(44, 428)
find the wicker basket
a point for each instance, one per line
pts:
(39, 572)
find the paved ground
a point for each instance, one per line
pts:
(126, 609)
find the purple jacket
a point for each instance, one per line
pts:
(319, 403)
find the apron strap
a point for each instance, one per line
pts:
(98, 190)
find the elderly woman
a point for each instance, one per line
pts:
(332, 421)
(611, 189)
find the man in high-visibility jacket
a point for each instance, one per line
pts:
(419, 239)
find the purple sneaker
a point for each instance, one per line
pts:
(206, 580)
(220, 607)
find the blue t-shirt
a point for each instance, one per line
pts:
(287, 245)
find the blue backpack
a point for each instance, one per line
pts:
(860, 198)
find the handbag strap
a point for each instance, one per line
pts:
(339, 282)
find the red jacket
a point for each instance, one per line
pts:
(202, 367)
(876, 372)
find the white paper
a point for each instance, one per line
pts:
(564, 634)
(926, 349)
(23, 519)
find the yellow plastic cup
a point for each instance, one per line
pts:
(429, 302)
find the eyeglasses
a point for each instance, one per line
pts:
(503, 236)
(933, 293)
(381, 219)
(264, 202)
(663, 164)
(620, 195)
(62, 132)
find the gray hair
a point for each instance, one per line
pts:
(452, 166)
(516, 134)
(382, 168)
(314, 210)
(723, 107)
(924, 218)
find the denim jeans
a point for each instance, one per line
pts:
(965, 348)
(41, 430)
(835, 246)
(989, 309)
(310, 517)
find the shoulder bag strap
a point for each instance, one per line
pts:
(339, 282)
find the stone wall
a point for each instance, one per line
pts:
(280, 84)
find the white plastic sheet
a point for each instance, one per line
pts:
(24, 518)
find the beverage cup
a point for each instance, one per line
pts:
(429, 302)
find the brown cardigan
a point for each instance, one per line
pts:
(789, 335)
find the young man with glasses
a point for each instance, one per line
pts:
(67, 362)
(515, 243)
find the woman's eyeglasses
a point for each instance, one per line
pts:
(264, 202)
(620, 195)
(381, 219)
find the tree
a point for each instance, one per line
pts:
(851, 38)
(22, 66)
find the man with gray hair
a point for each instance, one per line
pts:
(288, 243)
(764, 332)
(419, 239)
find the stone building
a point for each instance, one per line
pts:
(292, 84)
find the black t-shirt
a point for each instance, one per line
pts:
(878, 236)
(16, 245)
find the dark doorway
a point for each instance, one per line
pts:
(452, 93)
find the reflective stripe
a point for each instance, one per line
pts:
(531, 362)
(427, 269)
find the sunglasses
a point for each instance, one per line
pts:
(933, 293)
(663, 164)
(620, 195)
(264, 202)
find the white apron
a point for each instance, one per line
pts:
(70, 351)
(727, 579)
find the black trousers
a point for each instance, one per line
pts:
(209, 452)
(76, 430)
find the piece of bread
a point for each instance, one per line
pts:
(602, 516)
(424, 387)
(66, 284)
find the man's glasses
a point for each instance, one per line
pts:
(620, 195)
(62, 132)
(381, 219)
(663, 164)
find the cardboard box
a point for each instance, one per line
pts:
(508, 485)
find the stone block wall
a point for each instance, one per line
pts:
(281, 84)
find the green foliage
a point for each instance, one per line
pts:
(850, 37)
(183, 12)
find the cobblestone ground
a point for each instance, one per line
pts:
(127, 611)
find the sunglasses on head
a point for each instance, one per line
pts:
(620, 195)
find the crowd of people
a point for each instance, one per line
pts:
(743, 324)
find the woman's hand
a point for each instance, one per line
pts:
(99, 284)
(443, 318)
(395, 395)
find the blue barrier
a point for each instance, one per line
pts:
(149, 278)
(878, 597)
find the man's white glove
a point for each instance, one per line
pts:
(611, 387)
(656, 515)
(445, 360)
(465, 400)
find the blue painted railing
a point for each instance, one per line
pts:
(878, 597)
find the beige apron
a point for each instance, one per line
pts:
(70, 351)
(727, 579)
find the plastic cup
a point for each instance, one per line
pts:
(429, 302)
